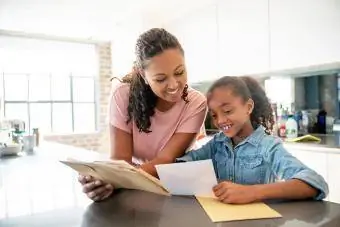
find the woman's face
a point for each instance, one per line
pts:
(166, 75)
(229, 111)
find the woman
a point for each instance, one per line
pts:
(154, 115)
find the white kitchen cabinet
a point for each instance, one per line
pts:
(334, 177)
(243, 45)
(197, 33)
(304, 33)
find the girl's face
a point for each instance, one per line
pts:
(229, 111)
(166, 75)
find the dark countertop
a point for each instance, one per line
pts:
(37, 190)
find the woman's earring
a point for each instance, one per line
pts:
(185, 93)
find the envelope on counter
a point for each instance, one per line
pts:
(220, 212)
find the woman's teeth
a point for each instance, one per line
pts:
(173, 92)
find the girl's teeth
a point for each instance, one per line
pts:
(226, 127)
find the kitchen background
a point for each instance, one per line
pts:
(302, 95)
(292, 47)
(57, 58)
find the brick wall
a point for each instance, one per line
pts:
(98, 141)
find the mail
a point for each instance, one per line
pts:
(118, 173)
(189, 178)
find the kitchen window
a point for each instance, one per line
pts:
(55, 103)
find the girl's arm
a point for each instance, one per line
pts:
(291, 189)
(299, 181)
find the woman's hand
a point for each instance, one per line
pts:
(228, 192)
(96, 190)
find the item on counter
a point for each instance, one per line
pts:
(336, 130)
(321, 122)
(10, 149)
(282, 130)
(29, 142)
(329, 124)
(305, 138)
(298, 118)
(305, 122)
(37, 136)
(221, 212)
(291, 127)
(118, 173)
(282, 126)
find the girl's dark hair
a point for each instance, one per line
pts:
(142, 100)
(248, 87)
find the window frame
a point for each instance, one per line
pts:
(52, 101)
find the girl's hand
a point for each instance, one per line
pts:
(228, 192)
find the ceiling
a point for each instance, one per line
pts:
(90, 19)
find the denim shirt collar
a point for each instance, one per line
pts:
(254, 138)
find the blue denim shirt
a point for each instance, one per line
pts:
(259, 159)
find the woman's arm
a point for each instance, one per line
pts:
(121, 144)
(186, 132)
(120, 131)
(175, 148)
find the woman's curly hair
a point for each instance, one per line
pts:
(142, 100)
(248, 87)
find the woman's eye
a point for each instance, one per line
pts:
(160, 80)
(179, 73)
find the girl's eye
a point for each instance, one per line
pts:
(213, 116)
(228, 111)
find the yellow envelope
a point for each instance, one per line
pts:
(219, 212)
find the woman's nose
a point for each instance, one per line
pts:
(173, 83)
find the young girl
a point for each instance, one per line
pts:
(250, 164)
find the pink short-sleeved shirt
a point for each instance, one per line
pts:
(181, 118)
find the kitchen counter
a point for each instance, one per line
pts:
(36, 190)
(326, 145)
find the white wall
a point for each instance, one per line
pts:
(252, 37)
(304, 32)
(197, 33)
(28, 55)
(123, 44)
